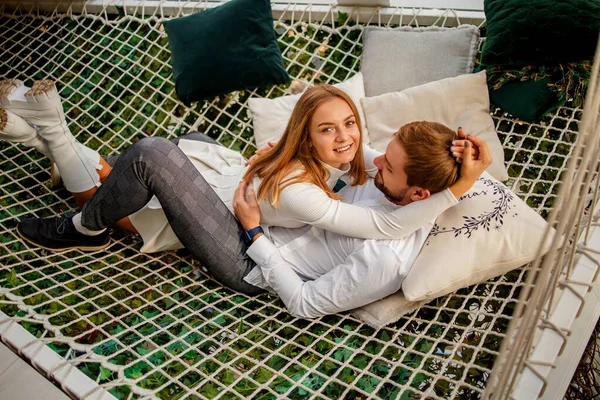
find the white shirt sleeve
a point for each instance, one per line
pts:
(308, 204)
(369, 155)
(354, 283)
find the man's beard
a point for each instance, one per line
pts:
(394, 197)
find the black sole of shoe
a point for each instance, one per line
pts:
(82, 248)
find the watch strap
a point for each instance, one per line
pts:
(253, 232)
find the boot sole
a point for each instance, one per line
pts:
(3, 119)
(41, 92)
(82, 248)
(14, 128)
(7, 87)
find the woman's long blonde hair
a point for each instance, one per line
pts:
(294, 151)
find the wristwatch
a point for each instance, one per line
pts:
(253, 232)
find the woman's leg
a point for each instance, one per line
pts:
(41, 106)
(108, 162)
(201, 221)
(200, 137)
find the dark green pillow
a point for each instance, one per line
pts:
(528, 100)
(524, 32)
(226, 48)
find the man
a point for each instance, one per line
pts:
(316, 272)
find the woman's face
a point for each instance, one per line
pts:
(334, 133)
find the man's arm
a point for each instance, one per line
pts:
(355, 282)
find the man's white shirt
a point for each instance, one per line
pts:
(317, 272)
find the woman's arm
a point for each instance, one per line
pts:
(308, 204)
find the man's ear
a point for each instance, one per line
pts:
(419, 194)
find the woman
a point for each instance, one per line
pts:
(321, 144)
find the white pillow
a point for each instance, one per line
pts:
(387, 310)
(488, 233)
(454, 102)
(270, 116)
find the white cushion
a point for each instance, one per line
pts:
(488, 233)
(270, 116)
(386, 311)
(454, 102)
(396, 59)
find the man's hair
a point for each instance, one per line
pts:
(429, 161)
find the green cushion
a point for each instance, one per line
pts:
(524, 32)
(528, 100)
(226, 48)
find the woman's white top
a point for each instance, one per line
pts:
(299, 204)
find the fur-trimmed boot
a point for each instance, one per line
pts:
(16, 130)
(41, 106)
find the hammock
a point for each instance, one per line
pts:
(121, 324)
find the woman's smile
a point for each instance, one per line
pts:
(344, 149)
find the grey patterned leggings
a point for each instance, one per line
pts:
(201, 221)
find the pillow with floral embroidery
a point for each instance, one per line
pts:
(488, 233)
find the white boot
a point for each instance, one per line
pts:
(16, 130)
(39, 105)
(42, 107)
(93, 157)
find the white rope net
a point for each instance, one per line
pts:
(576, 202)
(146, 326)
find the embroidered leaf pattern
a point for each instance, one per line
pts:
(493, 219)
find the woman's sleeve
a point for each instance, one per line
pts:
(307, 203)
(369, 155)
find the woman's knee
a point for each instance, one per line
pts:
(152, 142)
(197, 136)
(150, 146)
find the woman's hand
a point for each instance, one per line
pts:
(245, 206)
(471, 169)
(259, 153)
(458, 147)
